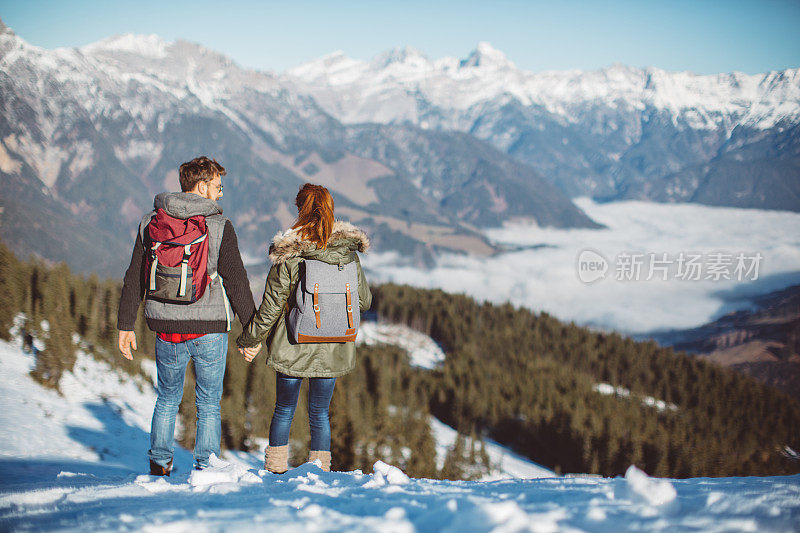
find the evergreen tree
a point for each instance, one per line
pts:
(59, 354)
(11, 294)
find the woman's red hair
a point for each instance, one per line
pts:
(314, 214)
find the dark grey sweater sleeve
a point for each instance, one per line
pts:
(132, 288)
(231, 268)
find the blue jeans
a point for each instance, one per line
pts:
(320, 392)
(208, 353)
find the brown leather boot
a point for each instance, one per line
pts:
(324, 457)
(276, 459)
(158, 470)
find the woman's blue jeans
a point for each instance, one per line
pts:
(208, 353)
(320, 392)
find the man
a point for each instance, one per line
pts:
(196, 331)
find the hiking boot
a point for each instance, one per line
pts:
(158, 470)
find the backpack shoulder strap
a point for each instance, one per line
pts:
(216, 227)
(312, 264)
(301, 272)
(143, 224)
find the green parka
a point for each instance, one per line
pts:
(288, 250)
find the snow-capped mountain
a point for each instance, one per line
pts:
(759, 101)
(423, 153)
(726, 139)
(89, 135)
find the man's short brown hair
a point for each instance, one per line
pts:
(197, 170)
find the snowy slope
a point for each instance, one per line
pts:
(74, 462)
(505, 463)
(102, 415)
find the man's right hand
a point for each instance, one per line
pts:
(127, 341)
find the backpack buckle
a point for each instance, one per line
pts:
(316, 308)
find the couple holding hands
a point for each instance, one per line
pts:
(187, 268)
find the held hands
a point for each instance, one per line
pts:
(250, 353)
(126, 341)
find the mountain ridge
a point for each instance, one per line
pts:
(574, 84)
(763, 342)
(618, 132)
(99, 130)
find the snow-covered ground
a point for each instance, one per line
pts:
(76, 462)
(541, 271)
(230, 498)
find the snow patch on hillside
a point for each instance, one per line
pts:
(505, 464)
(607, 389)
(423, 350)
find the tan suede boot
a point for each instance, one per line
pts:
(276, 459)
(323, 456)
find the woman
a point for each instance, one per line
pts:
(314, 235)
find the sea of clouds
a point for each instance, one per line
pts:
(540, 270)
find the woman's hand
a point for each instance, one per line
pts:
(250, 353)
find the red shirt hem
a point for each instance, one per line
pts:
(179, 337)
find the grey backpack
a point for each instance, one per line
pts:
(326, 301)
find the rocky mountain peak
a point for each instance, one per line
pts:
(400, 55)
(486, 56)
(324, 66)
(333, 58)
(151, 46)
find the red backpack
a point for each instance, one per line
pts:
(178, 259)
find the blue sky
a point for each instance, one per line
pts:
(700, 36)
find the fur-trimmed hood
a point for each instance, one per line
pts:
(344, 240)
